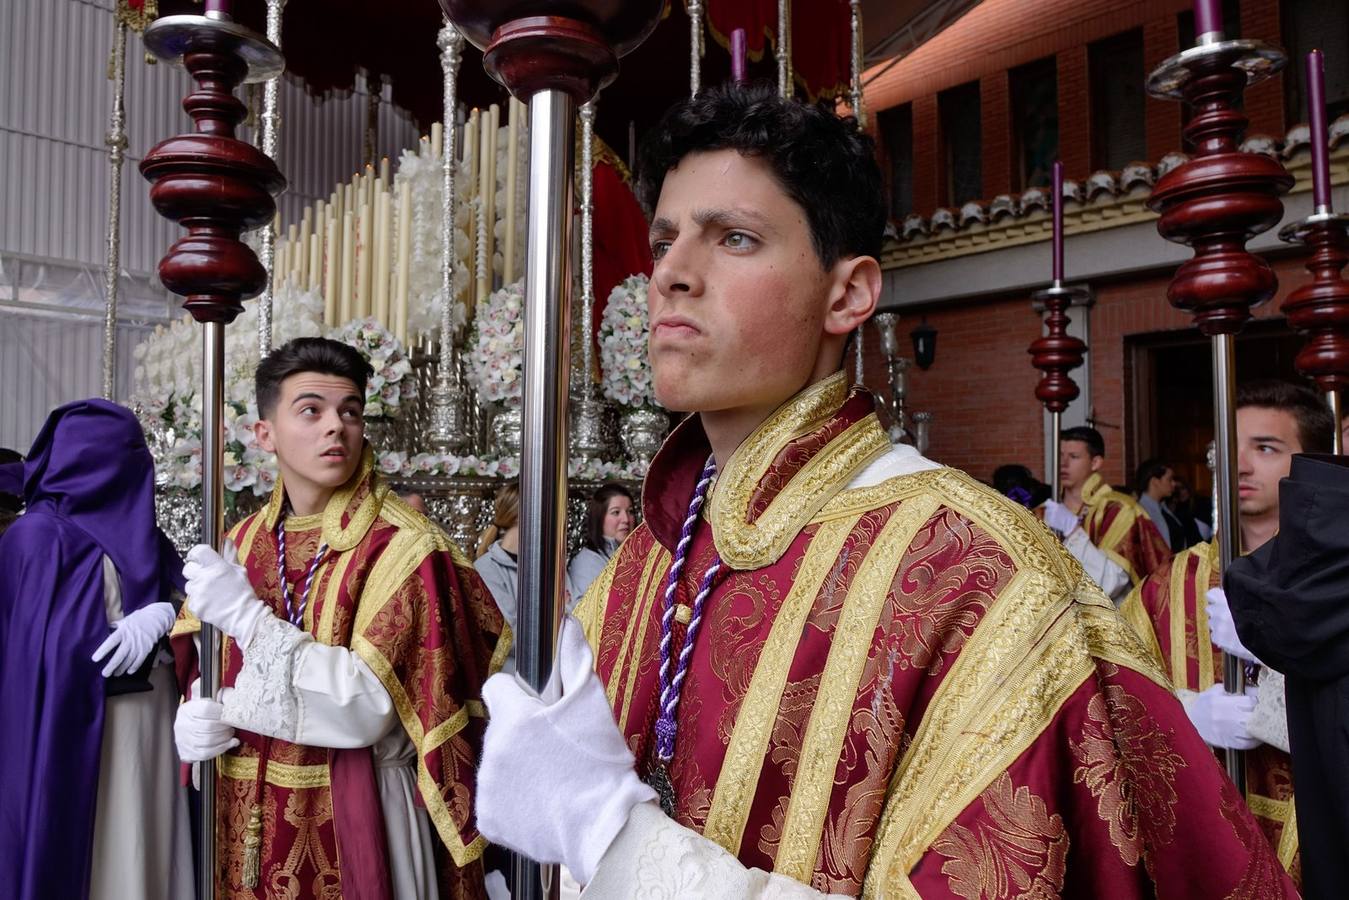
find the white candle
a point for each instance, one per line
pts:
(437, 136)
(383, 254)
(346, 293)
(332, 262)
(365, 224)
(400, 306)
(516, 109)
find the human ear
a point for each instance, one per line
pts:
(262, 430)
(855, 286)
(1097, 462)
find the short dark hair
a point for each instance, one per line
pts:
(822, 161)
(1315, 424)
(596, 507)
(1147, 470)
(1087, 435)
(308, 354)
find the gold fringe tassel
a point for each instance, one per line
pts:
(253, 847)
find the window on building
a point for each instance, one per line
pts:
(1035, 122)
(1315, 25)
(1115, 71)
(1231, 23)
(961, 144)
(896, 128)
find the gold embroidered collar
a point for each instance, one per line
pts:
(789, 468)
(351, 510)
(1095, 489)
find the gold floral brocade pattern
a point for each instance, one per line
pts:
(1020, 852)
(1129, 765)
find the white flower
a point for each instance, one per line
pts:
(265, 482)
(391, 462)
(625, 370)
(496, 354)
(387, 356)
(238, 477)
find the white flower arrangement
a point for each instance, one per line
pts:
(496, 347)
(625, 371)
(392, 382)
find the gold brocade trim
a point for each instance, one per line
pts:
(1285, 813)
(748, 745)
(853, 502)
(436, 809)
(853, 636)
(447, 729)
(1180, 669)
(1203, 634)
(186, 623)
(304, 523)
(648, 591)
(334, 535)
(1136, 614)
(1094, 488)
(746, 545)
(326, 632)
(997, 699)
(476, 708)
(408, 521)
(286, 775)
(1288, 839)
(590, 608)
(404, 553)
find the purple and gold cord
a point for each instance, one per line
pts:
(294, 613)
(667, 727)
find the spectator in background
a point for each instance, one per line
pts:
(610, 516)
(498, 558)
(1182, 506)
(1155, 484)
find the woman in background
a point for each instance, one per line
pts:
(497, 557)
(609, 518)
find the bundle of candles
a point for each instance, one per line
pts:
(358, 247)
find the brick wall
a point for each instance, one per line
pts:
(998, 35)
(1264, 102)
(995, 105)
(927, 173)
(1161, 117)
(982, 386)
(1074, 112)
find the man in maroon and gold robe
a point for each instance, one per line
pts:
(350, 721)
(840, 668)
(1106, 531)
(1171, 608)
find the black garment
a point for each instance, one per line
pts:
(1290, 601)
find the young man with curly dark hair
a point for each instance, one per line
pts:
(822, 664)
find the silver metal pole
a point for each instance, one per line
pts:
(1337, 414)
(117, 144)
(447, 429)
(271, 122)
(695, 47)
(855, 97)
(543, 457)
(1227, 511)
(785, 47)
(212, 529)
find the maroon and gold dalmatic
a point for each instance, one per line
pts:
(908, 689)
(1117, 525)
(396, 591)
(1168, 609)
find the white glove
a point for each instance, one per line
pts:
(1222, 629)
(199, 733)
(556, 781)
(1060, 518)
(219, 592)
(133, 638)
(1222, 719)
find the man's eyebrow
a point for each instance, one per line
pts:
(724, 217)
(1268, 439)
(310, 395)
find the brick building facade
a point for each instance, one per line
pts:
(969, 265)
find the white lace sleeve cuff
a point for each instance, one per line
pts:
(262, 700)
(655, 857)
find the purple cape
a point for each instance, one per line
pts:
(88, 489)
